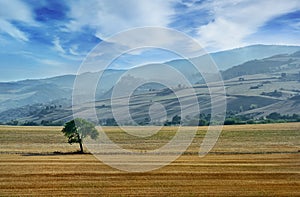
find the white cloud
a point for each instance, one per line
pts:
(14, 10)
(8, 28)
(163, 38)
(51, 62)
(235, 20)
(73, 50)
(57, 45)
(109, 17)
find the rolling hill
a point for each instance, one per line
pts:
(255, 86)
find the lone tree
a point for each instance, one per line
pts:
(76, 130)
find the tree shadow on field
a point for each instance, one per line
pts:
(55, 153)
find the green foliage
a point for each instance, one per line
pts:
(146, 121)
(51, 123)
(230, 121)
(78, 129)
(275, 93)
(233, 119)
(176, 120)
(110, 122)
(202, 122)
(274, 116)
(29, 123)
(253, 106)
(13, 122)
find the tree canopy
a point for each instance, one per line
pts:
(78, 129)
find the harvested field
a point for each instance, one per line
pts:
(248, 160)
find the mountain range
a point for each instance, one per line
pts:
(253, 75)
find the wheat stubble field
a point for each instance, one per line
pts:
(248, 160)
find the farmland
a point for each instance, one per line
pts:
(249, 160)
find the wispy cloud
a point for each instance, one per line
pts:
(11, 30)
(109, 17)
(73, 50)
(52, 63)
(234, 20)
(14, 11)
(65, 31)
(57, 45)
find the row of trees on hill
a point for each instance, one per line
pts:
(34, 123)
(201, 120)
(271, 118)
(204, 120)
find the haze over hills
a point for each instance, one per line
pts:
(276, 63)
(20, 93)
(229, 58)
(256, 77)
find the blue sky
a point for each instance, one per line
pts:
(42, 38)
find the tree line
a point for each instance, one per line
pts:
(201, 120)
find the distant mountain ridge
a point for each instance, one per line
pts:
(28, 92)
(234, 57)
(276, 63)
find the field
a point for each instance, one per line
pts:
(248, 160)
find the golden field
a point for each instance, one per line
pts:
(248, 160)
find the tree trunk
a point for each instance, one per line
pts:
(81, 147)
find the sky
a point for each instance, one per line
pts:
(43, 38)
